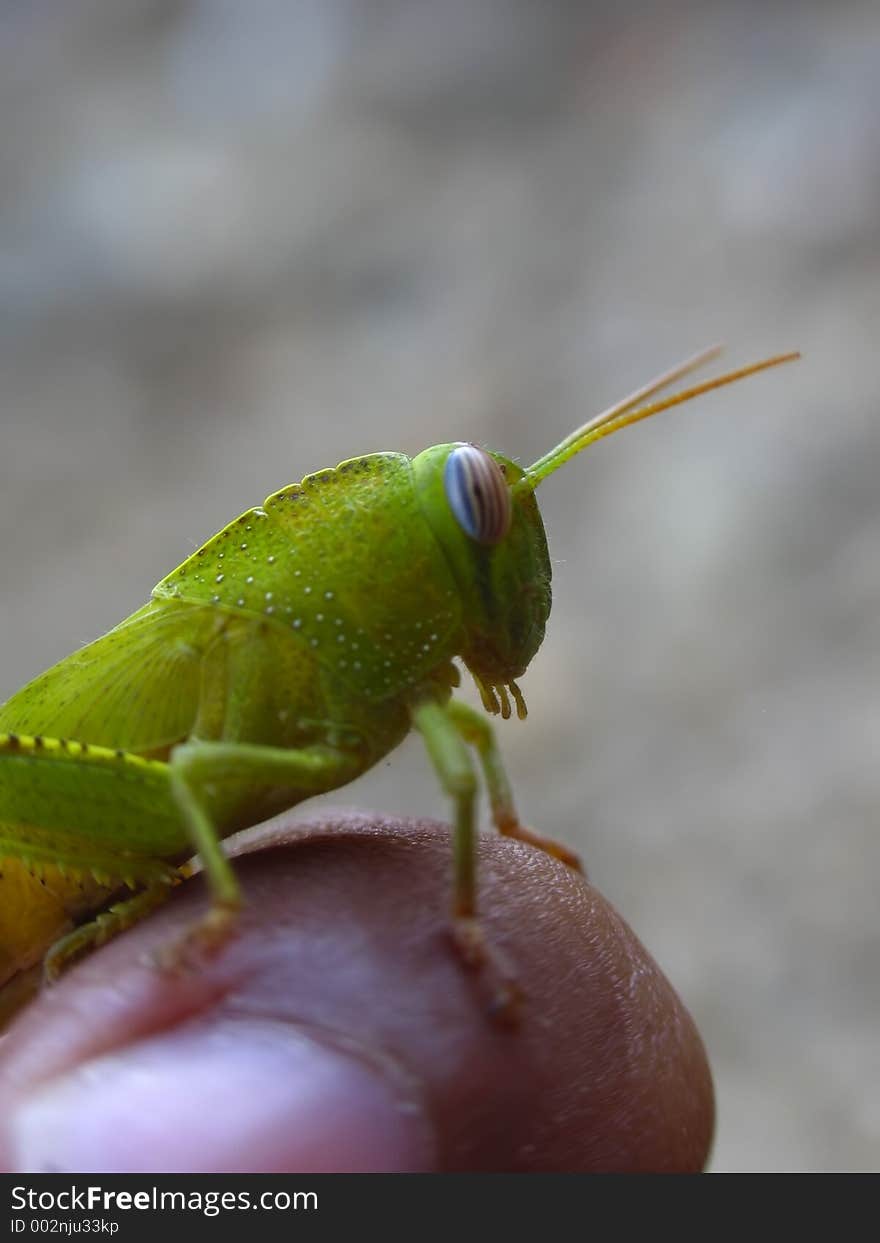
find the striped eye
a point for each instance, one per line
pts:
(478, 494)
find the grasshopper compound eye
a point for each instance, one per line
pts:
(478, 494)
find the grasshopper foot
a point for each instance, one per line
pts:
(475, 954)
(203, 939)
(513, 828)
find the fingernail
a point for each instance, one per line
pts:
(229, 1096)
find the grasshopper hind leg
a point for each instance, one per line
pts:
(200, 767)
(117, 918)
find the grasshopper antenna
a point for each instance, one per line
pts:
(626, 412)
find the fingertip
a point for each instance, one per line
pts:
(345, 941)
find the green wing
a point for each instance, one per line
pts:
(137, 688)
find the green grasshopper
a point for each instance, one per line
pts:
(274, 664)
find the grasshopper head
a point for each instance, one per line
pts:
(482, 509)
(494, 541)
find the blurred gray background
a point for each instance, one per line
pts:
(239, 242)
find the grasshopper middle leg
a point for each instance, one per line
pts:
(452, 762)
(197, 768)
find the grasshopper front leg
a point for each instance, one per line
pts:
(475, 729)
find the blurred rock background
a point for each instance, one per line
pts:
(239, 242)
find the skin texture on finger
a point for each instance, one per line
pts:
(337, 1030)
